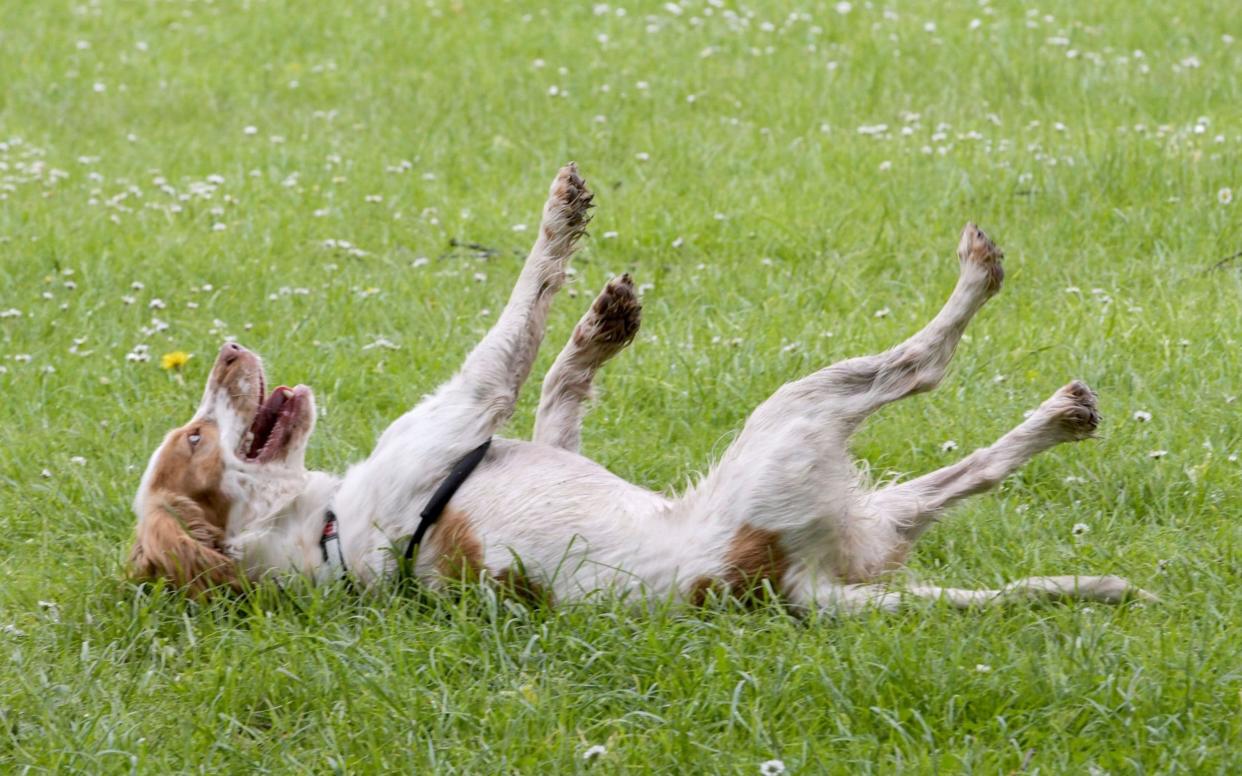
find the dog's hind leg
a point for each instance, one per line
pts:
(911, 507)
(607, 327)
(860, 386)
(789, 471)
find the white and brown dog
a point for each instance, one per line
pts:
(227, 497)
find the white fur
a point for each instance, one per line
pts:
(576, 529)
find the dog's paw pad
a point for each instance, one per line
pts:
(613, 320)
(976, 250)
(1074, 409)
(569, 205)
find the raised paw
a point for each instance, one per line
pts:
(612, 321)
(1073, 411)
(979, 253)
(567, 211)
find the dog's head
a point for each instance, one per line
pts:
(240, 458)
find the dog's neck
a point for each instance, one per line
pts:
(287, 540)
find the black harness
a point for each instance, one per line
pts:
(427, 518)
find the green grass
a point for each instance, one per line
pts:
(772, 231)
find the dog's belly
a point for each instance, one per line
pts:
(569, 525)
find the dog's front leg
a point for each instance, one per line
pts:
(498, 366)
(609, 324)
(481, 397)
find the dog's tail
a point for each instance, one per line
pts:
(839, 598)
(1104, 590)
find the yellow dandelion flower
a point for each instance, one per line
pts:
(174, 360)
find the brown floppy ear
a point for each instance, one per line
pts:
(177, 542)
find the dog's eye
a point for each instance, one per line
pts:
(194, 438)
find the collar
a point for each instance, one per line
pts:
(330, 545)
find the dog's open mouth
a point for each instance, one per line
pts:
(273, 425)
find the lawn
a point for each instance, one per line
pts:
(349, 189)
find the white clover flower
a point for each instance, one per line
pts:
(1142, 416)
(772, 768)
(678, 242)
(983, 668)
(51, 610)
(843, 7)
(1224, 196)
(1080, 528)
(79, 460)
(948, 446)
(1157, 454)
(156, 304)
(642, 156)
(883, 312)
(594, 752)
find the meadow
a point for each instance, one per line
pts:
(349, 188)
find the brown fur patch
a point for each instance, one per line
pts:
(194, 471)
(754, 555)
(896, 558)
(460, 551)
(701, 589)
(184, 515)
(521, 586)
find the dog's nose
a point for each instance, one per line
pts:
(230, 352)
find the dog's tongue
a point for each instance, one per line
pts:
(265, 419)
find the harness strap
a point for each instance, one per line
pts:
(440, 499)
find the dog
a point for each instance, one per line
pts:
(226, 499)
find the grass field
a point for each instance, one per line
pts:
(787, 181)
